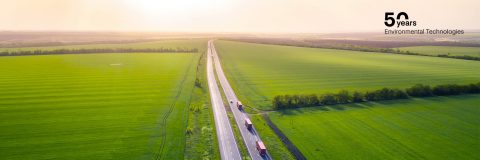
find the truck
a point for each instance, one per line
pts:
(248, 124)
(239, 105)
(261, 148)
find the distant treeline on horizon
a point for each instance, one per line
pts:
(363, 46)
(97, 50)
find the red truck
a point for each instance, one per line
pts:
(239, 105)
(248, 124)
(261, 148)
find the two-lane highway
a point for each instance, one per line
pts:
(249, 137)
(226, 140)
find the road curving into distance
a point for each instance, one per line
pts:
(226, 141)
(249, 136)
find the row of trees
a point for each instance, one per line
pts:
(343, 96)
(420, 90)
(467, 57)
(397, 51)
(367, 46)
(98, 50)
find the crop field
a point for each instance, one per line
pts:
(430, 128)
(181, 43)
(444, 50)
(258, 72)
(274, 144)
(95, 106)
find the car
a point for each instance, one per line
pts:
(231, 101)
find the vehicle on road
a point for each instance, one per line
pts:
(226, 140)
(231, 101)
(239, 105)
(248, 124)
(261, 148)
(249, 136)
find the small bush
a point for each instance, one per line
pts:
(472, 88)
(197, 83)
(447, 89)
(328, 99)
(357, 97)
(370, 96)
(420, 90)
(313, 100)
(385, 94)
(343, 96)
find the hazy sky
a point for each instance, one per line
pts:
(299, 16)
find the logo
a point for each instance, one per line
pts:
(402, 20)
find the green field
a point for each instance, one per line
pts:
(258, 72)
(277, 149)
(95, 106)
(181, 43)
(444, 50)
(431, 128)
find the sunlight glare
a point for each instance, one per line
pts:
(159, 7)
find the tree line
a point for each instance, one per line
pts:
(344, 96)
(98, 50)
(332, 44)
(396, 51)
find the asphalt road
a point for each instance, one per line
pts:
(249, 137)
(226, 140)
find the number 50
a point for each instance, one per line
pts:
(390, 21)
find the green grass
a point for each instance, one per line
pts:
(95, 106)
(275, 146)
(258, 72)
(201, 143)
(431, 128)
(187, 43)
(444, 50)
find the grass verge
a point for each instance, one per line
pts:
(201, 140)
